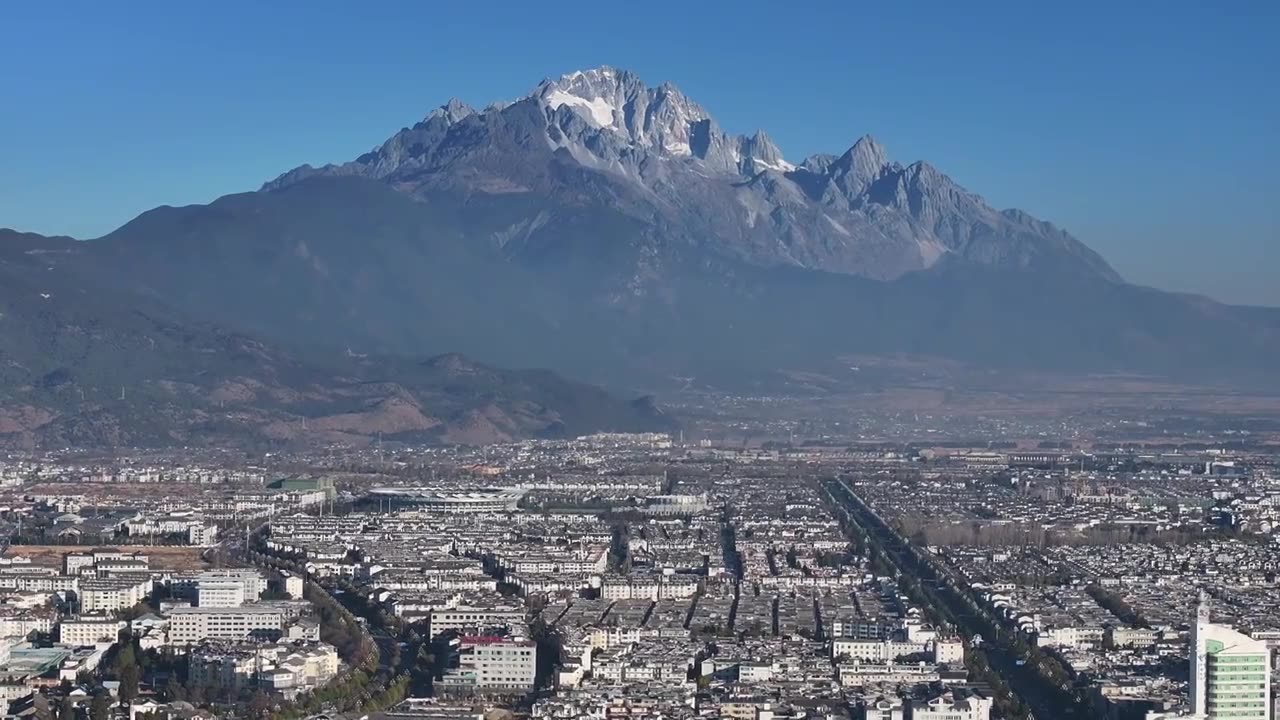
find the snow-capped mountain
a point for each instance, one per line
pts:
(597, 226)
(659, 120)
(603, 136)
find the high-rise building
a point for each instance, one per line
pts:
(1230, 673)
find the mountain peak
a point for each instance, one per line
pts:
(452, 111)
(870, 147)
(759, 153)
(860, 165)
(661, 118)
(661, 152)
(596, 74)
(603, 81)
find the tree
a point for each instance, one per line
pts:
(173, 689)
(40, 707)
(126, 656)
(259, 704)
(129, 675)
(67, 709)
(100, 708)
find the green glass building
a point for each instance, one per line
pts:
(1230, 673)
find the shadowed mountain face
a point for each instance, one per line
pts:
(599, 227)
(85, 365)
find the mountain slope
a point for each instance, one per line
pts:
(353, 263)
(612, 230)
(88, 365)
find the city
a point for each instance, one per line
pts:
(632, 575)
(725, 360)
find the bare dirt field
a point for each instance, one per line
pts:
(162, 557)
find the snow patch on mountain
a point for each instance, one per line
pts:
(598, 110)
(780, 165)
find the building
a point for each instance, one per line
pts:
(221, 668)
(39, 582)
(253, 582)
(858, 673)
(202, 534)
(622, 587)
(113, 594)
(948, 652)
(187, 524)
(89, 630)
(220, 593)
(482, 500)
(863, 628)
(464, 618)
(1230, 672)
(885, 708)
(23, 623)
(303, 628)
(306, 488)
(73, 563)
(949, 707)
(294, 586)
(648, 587)
(875, 650)
(288, 668)
(493, 664)
(676, 505)
(302, 668)
(191, 625)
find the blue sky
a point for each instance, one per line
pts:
(1149, 130)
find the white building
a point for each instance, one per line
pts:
(213, 667)
(254, 582)
(302, 668)
(465, 618)
(220, 581)
(294, 586)
(288, 668)
(868, 673)
(113, 594)
(220, 593)
(885, 708)
(875, 650)
(73, 563)
(1230, 673)
(948, 652)
(192, 625)
(202, 534)
(494, 664)
(89, 630)
(648, 587)
(39, 582)
(22, 624)
(620, 587)
(948, 707)
(676, 505)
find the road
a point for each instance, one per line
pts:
(387, 647)
(1044, 700)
